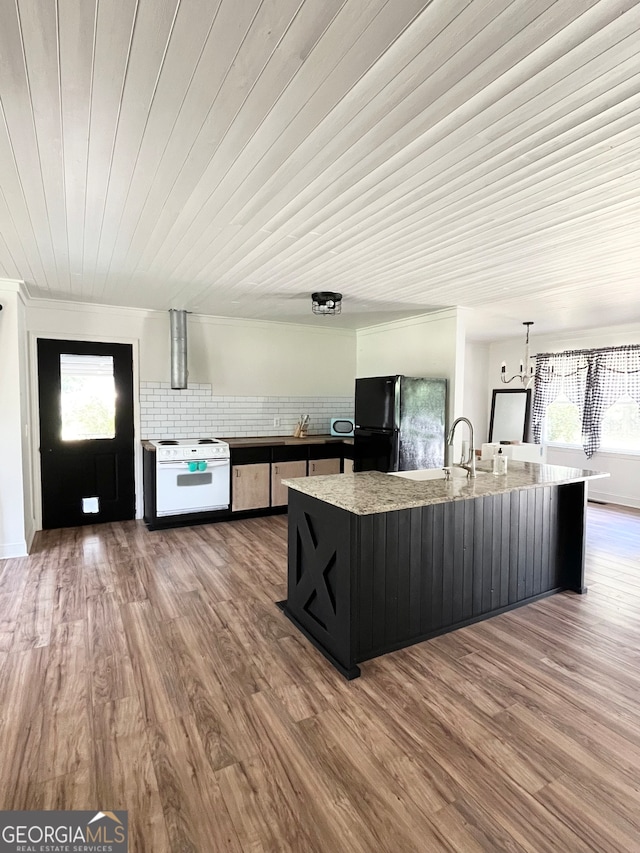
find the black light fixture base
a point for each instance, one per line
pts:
(326, 302)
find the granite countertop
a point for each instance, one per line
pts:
(370, 492)
(272, 440)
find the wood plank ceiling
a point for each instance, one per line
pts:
(231, 157)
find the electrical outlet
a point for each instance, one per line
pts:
(276, 422)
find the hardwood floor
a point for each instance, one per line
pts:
(152, 672)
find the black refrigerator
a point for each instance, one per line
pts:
(399, 423)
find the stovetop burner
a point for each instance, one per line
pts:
(207, 441)
(167, 441)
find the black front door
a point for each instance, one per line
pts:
(86, 432)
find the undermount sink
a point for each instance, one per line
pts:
(426, 474)
(435, 474)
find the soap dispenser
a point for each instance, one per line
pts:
(500, 462)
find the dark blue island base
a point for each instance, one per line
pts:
(360, 586)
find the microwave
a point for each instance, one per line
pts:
(342, 426)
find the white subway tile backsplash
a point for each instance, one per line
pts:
(195, 412)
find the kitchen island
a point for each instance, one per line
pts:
(379, 561)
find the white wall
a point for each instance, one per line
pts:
(432, 345)
(237, 357)
(623, 486)
(475, 403)
(245, 358)
(13, 534)
(421, 346)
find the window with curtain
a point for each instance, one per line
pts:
(589, 398)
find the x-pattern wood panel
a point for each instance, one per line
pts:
(315, 559)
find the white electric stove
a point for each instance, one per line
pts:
(192, 475)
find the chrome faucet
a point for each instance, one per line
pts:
(470, 463)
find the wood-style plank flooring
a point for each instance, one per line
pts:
(152, 672)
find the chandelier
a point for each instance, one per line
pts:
(526, 373)
(326, 302)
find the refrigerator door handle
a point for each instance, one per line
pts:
(396, 403)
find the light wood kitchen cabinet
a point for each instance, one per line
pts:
(250, 486)
(324, 466)
(282, 471)
(347, 466)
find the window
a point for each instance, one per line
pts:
(621, 426)
(589, 398)
(87, 397)
(562, 422)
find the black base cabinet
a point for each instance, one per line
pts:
(363, 585)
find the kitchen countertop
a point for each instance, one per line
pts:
(285, 439)
(372, 492)
(272, 440)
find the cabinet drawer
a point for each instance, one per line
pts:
(248, 455)
(289, 453)
(330, 450)
(347, 451)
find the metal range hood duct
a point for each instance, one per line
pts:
(179, 372)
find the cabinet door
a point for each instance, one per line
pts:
(282, 471)
(324, 466)
(250, 486)
(347, 466)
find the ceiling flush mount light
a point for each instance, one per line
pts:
(326, 302)
(526, 373)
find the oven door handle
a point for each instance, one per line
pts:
(184, 463)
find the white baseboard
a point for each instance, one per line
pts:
(610, 498)
(13, 549)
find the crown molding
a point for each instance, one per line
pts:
(418, 320)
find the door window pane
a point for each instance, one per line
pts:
(87, 397)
